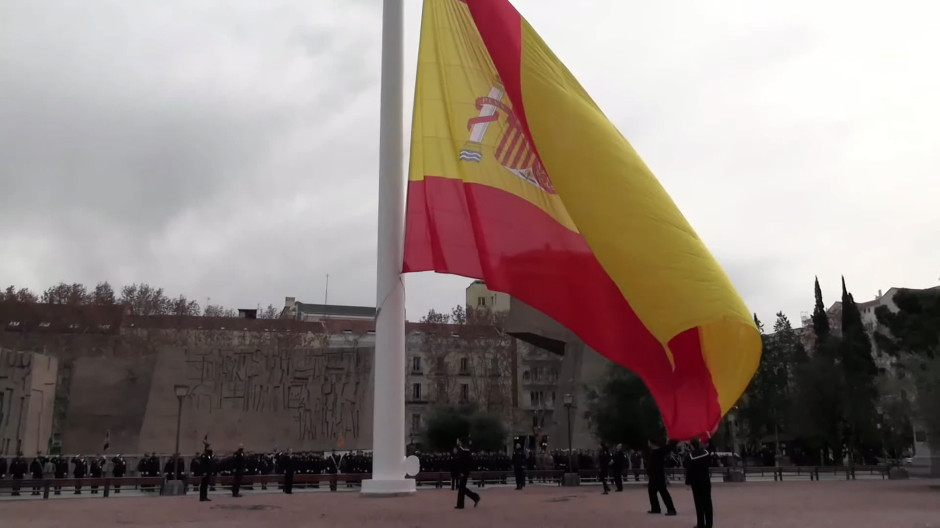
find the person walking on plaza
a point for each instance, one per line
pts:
(698, 477)
(656, 474)
(464, 466)
(603, 466)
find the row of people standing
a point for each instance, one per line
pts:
(59, 466)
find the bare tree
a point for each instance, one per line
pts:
(12, 294)
(71, 294)
(143, 299)
(182, 306)
(271, 312)
(103, 295)
(215, 310)
(469, 358)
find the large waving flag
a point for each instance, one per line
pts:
(517, 178)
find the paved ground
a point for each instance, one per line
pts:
(859, 504)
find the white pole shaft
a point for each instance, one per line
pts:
(388, 429)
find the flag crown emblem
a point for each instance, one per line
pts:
(513, 150)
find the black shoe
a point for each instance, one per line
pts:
(654, 512)
(671, 513)
(205, 500)
(605, 493)
(476, 502)
(458, 507)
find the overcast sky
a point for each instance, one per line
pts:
(228, 149)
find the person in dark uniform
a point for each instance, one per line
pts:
(96, 469)
(454, 463)
(205, 465)
(286, 463)
(18, 469)
(118, 470)
(78, 472)
(36, 470)
(238, 470)
(603, 462)
(60, 468)
(3, 468)
(465, 465)
(656, 474)
(698, 477)
(636, 462)
(518, 466)
(618, 465)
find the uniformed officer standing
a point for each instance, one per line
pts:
(60, 468)
(286, 463)
(698, 477)
(656, 473)
(205, 465)
(79, 471)
(603, 462)
(518, 466)
(238, 470)
(36, 469)
(96, 469)
(118, 470)
(18, 468)
(619, 462)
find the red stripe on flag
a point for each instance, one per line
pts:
(482, 232)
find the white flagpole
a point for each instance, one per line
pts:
(388, 412)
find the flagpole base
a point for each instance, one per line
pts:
(388, 487)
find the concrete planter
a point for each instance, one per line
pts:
(174, 488)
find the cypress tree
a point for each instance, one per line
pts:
(860, 371)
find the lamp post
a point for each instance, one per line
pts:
(733, 418)
(181, 391)
(570, 478)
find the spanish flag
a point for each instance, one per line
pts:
(517, 178)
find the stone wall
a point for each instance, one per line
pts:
(261, 383)
(27, 392)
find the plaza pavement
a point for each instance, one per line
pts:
(856, 504)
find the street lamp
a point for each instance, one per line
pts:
(569, 402)
(181, 391)
(884, 446)
(733, 418)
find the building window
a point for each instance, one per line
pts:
(416, 392)
(536, 398)
(525, 376)
(416, 364)
(481, 301)
(464, 365)
(464, 392)
(415, 422)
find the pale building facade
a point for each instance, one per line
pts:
(27, 393)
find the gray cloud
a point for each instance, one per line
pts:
(229, 149)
